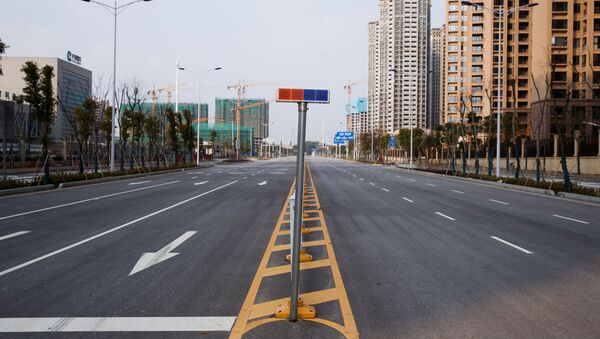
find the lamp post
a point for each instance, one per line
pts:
(200, 109)
(502, 15)
(179, 68)
(115, 11)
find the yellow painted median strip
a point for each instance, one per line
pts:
(254, 315)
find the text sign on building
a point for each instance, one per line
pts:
(315, 96)
(76, 59)
(346, 136)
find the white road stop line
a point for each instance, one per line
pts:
(123, 324)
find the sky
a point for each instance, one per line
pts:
(294, 43)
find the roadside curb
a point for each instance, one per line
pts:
(126, 177)
(21, 190)
(581, 197)
(33, 189)
(491, 183)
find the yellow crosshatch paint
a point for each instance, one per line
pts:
(253, 315)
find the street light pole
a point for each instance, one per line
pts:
(115, 11)
(501, 14)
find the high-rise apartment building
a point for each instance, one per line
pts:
(566, 68)
(398, 56)
(437, 78)
(472, 56)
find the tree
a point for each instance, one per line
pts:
(85, 119)
(106, 127)
(188, 135)
(152, 130)
(173, 130)
(3, 47)
(39, 93)
(450, 137)
(124, 128)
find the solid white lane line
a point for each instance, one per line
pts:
(566, 218)
(86, 200)
(200, 183)
(138, 183)
(385, 189)
(445, 216)
(408, 200)
(499, 202)
(432, 185)
(45, 256)
(512, 245)
(122, 324)
(8, 236)
(372, 184)
(459, 192)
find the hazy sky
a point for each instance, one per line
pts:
(312, 43)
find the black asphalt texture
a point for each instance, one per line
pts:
(415, 251)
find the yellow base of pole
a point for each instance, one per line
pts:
(304, 312)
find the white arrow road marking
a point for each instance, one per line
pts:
(86, 200)
(138, 183)
(512, 245)
(8, 236)
(125, 324)
(114, 229)
(200, 183)
(152, 258)
(571, 219)
(262, 183)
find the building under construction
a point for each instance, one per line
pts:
(224, 139)
(254, 115)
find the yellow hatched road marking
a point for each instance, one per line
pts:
(254, 315)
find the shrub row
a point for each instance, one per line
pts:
(528, 182)
(58, 178)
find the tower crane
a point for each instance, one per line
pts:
(241, 87)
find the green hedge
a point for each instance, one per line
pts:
(9, 184)
(58, 178)
(528, 182)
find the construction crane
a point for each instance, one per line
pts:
(241, 87)
(155, 92)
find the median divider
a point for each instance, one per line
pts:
(264, 303)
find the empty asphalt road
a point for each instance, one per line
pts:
(420, 256)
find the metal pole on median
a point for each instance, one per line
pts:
(299, 200)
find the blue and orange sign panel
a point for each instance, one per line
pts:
(315, 96)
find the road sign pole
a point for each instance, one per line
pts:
(302, 109)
